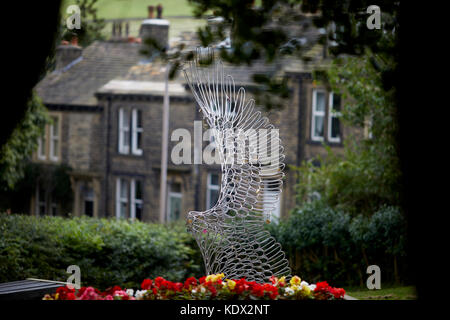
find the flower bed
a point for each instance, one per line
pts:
(212, 287)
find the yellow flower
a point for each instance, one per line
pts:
(282, 280)
(231, 284)
(215, 277)
(295, 280)
(295, 287)
(306, 290)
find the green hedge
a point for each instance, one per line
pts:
(324, 244)
(109, 252)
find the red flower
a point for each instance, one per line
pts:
(70, 296)
(321, 286)
(338, 293)
(190, 282)
(146, 284)
(159, 281)
(65, 293)
(202, 280)
(110, 291)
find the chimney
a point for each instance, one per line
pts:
(156, 29)
(159, 10)
(151, 9)
(66, 53)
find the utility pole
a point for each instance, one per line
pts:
(164, 149)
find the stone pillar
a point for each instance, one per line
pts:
(97, 194)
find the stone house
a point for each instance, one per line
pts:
(106, 102)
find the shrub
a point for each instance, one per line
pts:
(324, 243)
(107, 251)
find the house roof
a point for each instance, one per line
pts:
(101, 62)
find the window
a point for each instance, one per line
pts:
(131, 136)
(136, 200)
(88, 201)
(124, 132)
(318, 115)
(44, 202)
(174, 202)
(272, 202)
(49, 143)
(334, 126)
(42, 143)
(137, 132)
(54, 139)
(135, 194)
(121, 198)
(41, 205)
(212, 191)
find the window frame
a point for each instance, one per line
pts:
(315, 113)
(42, 146)
(211, 187)
(119, 198)
(122, 148)
(332, 114)
(52, 138)
(172, 194)
(133, 200)
(135, 131)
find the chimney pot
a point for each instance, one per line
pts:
(151, 9)
(159, 10)
(74, 41)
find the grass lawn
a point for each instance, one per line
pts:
(389, 293)
(115, 9)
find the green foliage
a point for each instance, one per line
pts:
(22, 143)
(327, 244)
(367, 175)
(108, 252)
(91, 25)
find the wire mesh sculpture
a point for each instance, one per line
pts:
(231, 234)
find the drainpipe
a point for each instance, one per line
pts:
(108, 132)
(164, 151)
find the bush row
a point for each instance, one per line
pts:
(107, 251)
(323, 243)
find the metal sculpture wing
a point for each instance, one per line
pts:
(231, 234)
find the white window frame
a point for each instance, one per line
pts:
(315, 114)
(135, 131)
(53, 138)
(211, 187)
(123, 149)
(332, 114)
(133, 200)
(268, 201)
(41, 154)
(119, 199)
(172, 194)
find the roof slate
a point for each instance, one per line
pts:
(102, 61)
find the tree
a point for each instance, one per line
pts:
(367, 176)
(265, 31)
(91, 25)
(22, 143)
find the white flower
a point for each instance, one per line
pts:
(130, 292)
(304, 284)
(203, 290)
(140, 294)
(194, 291)
(312, 287)
(288, 291)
